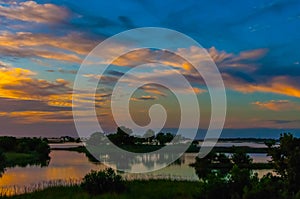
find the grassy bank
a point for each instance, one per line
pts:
(23, 151)
(135, 189)
(13, 159)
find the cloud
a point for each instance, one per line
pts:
(73, 42)
(17, 83)
(242, 123)
(17, 105)
(238, 70)
(282, 85)
(64, 48)
(144, 98)
(30, 52)
(277, 105)
(244, 59)
(30, 11)
(30, 117)
(154, 89)
(60, 70)
(4, 65)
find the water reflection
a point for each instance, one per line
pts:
(72, 166)
(63, 165)
(116, 149)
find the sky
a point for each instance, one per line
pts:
(255, 45)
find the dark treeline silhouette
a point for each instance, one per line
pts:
(225, 177)
(23, 151)
(124, 136)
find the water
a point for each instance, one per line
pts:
(70, 166)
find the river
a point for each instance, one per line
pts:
(70, 167)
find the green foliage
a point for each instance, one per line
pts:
(241, 159)
(286, 159)
(99, 182)
(2, 162)
(214, 187)
(211, 163)
(239, 181)
(269, 186)
(23, 151)
(8, 143)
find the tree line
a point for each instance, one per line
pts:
(231, 177)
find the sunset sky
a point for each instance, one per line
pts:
(255, 44)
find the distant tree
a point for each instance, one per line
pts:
(96, 139)
(177, 139)
(122, 136)
(149, 135)
(8, 143)
(164, 138)
(124, 130)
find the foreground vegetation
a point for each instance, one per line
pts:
(231, 177)
(154, 189)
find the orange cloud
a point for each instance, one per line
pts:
(17, 83)
(63, 48)
(29, 117)
(279, 85)
(195, 54)
(33, 12)
(73, 42)
(277, 105)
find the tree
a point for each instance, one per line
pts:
(240, 174)
(99, 182)
(2, 162)
(149, 135)
(212, 163)
(268, 186)
(96, 139)
(286, 159)
(241, 159)
(122, 136)
(164, 138)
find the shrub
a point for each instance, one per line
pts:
(99, 182)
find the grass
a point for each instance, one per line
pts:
(14, 158)
(142, 189)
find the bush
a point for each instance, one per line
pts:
(99, 182)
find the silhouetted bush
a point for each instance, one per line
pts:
(99, 182)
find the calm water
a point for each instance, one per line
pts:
(72, 166)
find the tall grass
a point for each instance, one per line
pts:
(17, 190)
(141, 189)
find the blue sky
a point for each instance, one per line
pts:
(255, 45)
